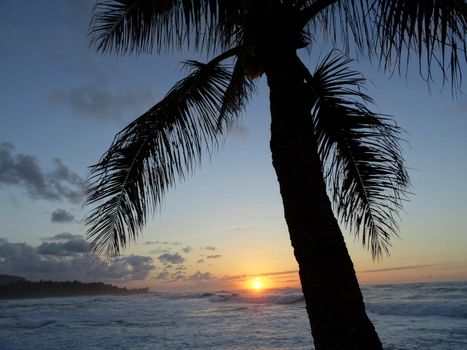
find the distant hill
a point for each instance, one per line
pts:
(5, 279)
(20, 288)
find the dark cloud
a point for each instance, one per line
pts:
(210, 248)
(217, 256)
(162, 243)
(69, 262)
(61, 246)
(289, 281)
(140, 266)
(187, 250)
(179, 275)
(170, 276)
(200, 261)
(61, 184)
(98, 102)
(168, 258)
(201, 276)
(60, 236)
(180, 268)
(274, 273)
(163, 275)
(277, 273)
(408, 267)
(61, 216)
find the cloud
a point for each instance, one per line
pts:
(168, 258)
(187, 249)
(290, 281)
(163, 243)
(244, 228)
(64, 245)
(64, 258)
(179, 275)
(201, 276)
(239, 132)
(163, 275)
(408, 267)
(139, 266)
(164, 246)
(217, 256)
(169, 277)
(264, 274)
(61, 216)
(99, 102)
(200, 261)
(159, 251)
(210, 248)
(60, 236)
(180, 268)
(61, 184)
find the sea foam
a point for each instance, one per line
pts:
(407, 317)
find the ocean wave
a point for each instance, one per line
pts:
(265, 297)
(250, 298)
(221, 297)
(224, 320)
(271, 299)
(445, 309)
(34, 324)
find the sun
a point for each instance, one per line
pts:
(256, 284)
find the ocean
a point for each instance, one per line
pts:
(407, 317)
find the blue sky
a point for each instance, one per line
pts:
(61, 104)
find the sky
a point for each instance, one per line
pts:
(61, 104)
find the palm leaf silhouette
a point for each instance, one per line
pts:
(320, 125)
(393, 30)
(361, 154)
(144, 25)
(151, 153)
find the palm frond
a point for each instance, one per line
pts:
(360, 153)
(237, 93)
(150, 154)
(394, 30)
(341, 22)
(122, 26)
(434, 29)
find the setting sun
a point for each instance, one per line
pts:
(256, 284)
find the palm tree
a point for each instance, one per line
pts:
(325, 141)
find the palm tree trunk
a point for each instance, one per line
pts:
(333, 299)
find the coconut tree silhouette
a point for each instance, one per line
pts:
(324, 138)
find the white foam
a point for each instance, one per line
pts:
(445, 309)
(269, 299)
(407, 317)
(34, 324)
